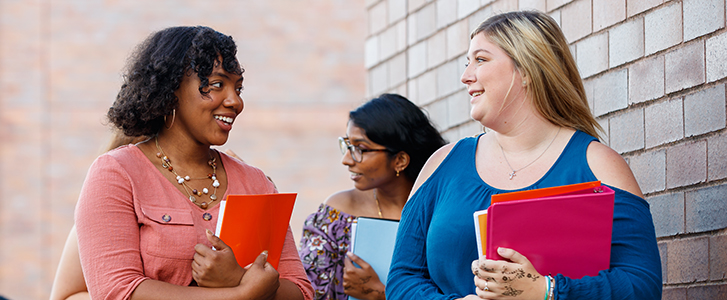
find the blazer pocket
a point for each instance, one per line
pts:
(167, 232)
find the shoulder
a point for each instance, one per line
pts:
(431, 165)
(610, 168)
(342, 200)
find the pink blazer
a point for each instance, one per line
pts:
(123, 239)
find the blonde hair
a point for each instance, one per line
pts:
(537, 46)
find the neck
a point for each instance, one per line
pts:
(394, 195)
(532, 132)
(183, 149)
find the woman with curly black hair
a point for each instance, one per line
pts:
(147, 211)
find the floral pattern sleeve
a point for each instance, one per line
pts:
(323, 246)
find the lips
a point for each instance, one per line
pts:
(226, 120)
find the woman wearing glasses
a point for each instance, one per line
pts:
(388, 140)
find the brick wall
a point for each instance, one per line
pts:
(654, 72)
(59, 72)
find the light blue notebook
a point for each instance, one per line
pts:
(373, 241)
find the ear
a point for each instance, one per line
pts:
(401, 161)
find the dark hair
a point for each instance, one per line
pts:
(155, 71)
(394, 122)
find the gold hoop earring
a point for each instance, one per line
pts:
(174, 115)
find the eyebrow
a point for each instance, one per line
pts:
(224, 75)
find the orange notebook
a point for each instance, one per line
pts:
(481, 216)
(250, 224)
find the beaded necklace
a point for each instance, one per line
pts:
(182, 180)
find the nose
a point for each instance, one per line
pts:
(468, 75)
(234, 100)
(347, 160)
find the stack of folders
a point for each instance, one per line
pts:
(250, 224)
(373, 241)
(561, 230)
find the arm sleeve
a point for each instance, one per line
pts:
(635, 270)
(108, 232)
(409, 275)
(291, 267)
(321, 256)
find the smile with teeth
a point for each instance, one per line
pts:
(475, 94)
(356, 174)
(227, 120)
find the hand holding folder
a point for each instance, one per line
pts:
(561, 230)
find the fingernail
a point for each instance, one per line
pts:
(265, 252)
(500, 250)
(209, 232)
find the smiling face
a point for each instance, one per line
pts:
(493, 82)
(208, 117)
(375, 169)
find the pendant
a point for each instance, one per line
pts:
(193, 199)
(203, 205)
(512, 175)
(213, 197)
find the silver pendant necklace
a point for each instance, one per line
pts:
(514, 172)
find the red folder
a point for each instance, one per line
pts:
(568, 233)
(250, 224)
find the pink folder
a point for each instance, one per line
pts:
(567, 234)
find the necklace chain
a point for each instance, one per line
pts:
(377, 204)
(512, 174)
(182, 180)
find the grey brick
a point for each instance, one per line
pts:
(673, 293)
(604, 134)
(668, 213)
(446, 12)
(706, 208)
(688, 260)
(663, 28)
(448, 78)
(627, 131)
(664, 255)
(664, 122)
(702, 17)
(636, 7)
(686, 164)
(716, 291)
(718, 257)
(650, 170)
(704, 111)
(592, 55)
(717, 156)
(576, 19)
(610, 92)
(607, 13)
(626, 42)
(716, 53)
(646, 79)
(684, 67)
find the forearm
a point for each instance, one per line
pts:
(159, 290)
(79, 296)
(288, 291)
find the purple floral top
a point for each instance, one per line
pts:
(325, 241)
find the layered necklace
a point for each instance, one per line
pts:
(182, 180)
(512, 174)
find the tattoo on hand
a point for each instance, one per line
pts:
(491, 279)
(509, 291)
(365, 280)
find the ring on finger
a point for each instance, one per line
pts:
(486, 289)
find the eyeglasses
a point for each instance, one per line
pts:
(356, 152)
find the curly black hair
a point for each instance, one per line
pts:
(398, 124)
(155, 71)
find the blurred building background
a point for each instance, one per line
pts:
(654, 71)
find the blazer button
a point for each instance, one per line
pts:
(166, 218)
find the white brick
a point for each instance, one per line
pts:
(532, 5)
(627, 131)
(588, 87)
(401, 42)
(397, 70)
(626, 42)
(446, 12)
(458, 108)
(387, 43)
(592, 55)
(702, 17)
(636, 7)
(604, 133)
(379, 78)
(646, 79)
(438, 114)
(576, 20)
(417, 60)
(427, 87)
(415, 5)
(411, 33)
(412, 88)
(448, 79)
(607, 13)
(426, 21)
(650, 170)
(466, 7)
(457, 39)
(377, 17)
(502, 6)
(397, 10)
(610, 92)
(663, 28)
(663, 122)
(704, 111)
(436, 49)
(371, 51)
(684, 67)
(478, 17)
(716, 53)
(553, 4)
(556, 16)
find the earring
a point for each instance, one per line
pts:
(174, 115)
(525, 82)
(397, 173)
